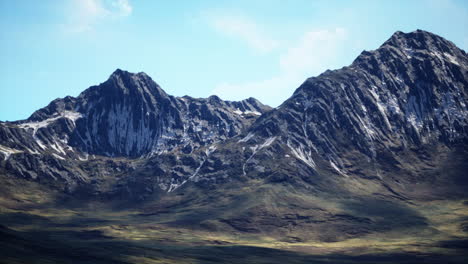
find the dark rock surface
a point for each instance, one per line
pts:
(374, 152)
(396, 118)
(127, 117)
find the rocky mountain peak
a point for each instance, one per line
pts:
(408, 93)
(119, 74)
(123, 82)
(420, 40)
(377, 149)
(417, 45)
(127, 116)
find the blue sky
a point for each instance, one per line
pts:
(235, 49)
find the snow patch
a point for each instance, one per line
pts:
(451, 58)
(408, 52)
(237, 111)
(337, 169)
(56, 146)
(246, 138)
(6, 151)
(246, 112)
(33, 152)
(58, 157)
(303, 155)
(380, 105)
(267, 142)
(39, 143)
(85, 157)
(73, 116)
(210, 150)
(174, 186)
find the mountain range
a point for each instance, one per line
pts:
(375, 151)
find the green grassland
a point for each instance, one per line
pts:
(257, 222)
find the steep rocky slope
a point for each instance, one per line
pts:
(395, 116)
(127, 117)
(355, 151)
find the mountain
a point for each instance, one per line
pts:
(387, 131)
(127, 116)
(370, 155)
(395, 116)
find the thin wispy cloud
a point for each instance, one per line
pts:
(241, 28)
(314, 52)
(120, 7)
(83, 15)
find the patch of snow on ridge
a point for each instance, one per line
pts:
(39, 143)
(412, 119)
(380, 105)
(408, 52)
(174, 186)
(57, 147)
(302, 155)
(252, 112)
(337, 169)
(8, 151)
(267, 142)
(73, 116)
(58, 157)
(246, 112)
(255, 149)
(210, 150)
(35, 126)
(441, 56)
(85, 157)
(451, 58)
(33, 152)
(237, 111)
(246, 138)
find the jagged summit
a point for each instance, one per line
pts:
(409, 58)
(417, 44)
(126, 83)
(119, 73)
(377, 149)
(407, 94)
(129, 115)
(418, 39)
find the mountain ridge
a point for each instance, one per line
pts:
(383, 92)
(361, 160)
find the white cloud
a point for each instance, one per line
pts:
(122, 7)
(312, 51)
(315, 52)
(85, 14)
(244, 29)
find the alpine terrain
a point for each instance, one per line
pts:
(363, 164)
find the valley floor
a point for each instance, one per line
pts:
(96, 234)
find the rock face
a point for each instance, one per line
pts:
(409, 93)
(129, 116)
(395, 119)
